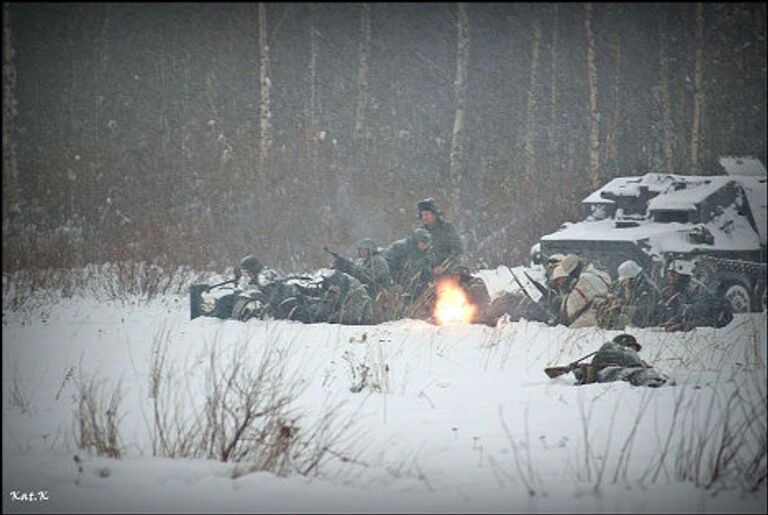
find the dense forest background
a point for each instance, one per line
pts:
(196, 133)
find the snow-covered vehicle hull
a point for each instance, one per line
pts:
(717, 222)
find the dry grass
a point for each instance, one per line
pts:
(247, 416)
(97, 418)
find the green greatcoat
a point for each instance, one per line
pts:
(446, 244)
(352, 306)
(614, 362)
(411, 268)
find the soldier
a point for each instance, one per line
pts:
(446, 244)
(224, 306)
(552, 262)
(410, 263)
(618, 360)
(344, 301)
(689, 303)
(633, 299)
(371, 269)
(581, 285)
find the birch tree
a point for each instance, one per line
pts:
(362, 71)
(610, 136)
(665, 98)
(265, 113)
(553, 85)
(530, 154)
(310, 113)
(10, 173)
(460, 85)
(594, 133)
(698, 95)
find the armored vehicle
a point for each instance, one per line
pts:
(718, 222)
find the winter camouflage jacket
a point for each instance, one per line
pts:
(446, 244)
(614, 362)
(578, 308)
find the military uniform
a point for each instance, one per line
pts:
(446, 244)
(352, 305)
(618, 360)
(372, 270)
(635, 302)
(584, 287)
(411, 267)
(691, 304)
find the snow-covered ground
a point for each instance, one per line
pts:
(448, 418)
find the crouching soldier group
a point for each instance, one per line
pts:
(378, 285)
(684, 303)
(578, 294)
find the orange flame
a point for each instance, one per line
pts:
(452, 306)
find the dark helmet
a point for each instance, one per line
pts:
(428, 204)
(627, 340)
(421, 235)
(251, 264)
(337, 278)
(369, 245)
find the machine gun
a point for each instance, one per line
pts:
(196, 294)
(535, 291)
(340, 262)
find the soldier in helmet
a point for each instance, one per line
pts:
(228, 306)
(372, 270)
(689, 303)
(617, 360)
(632, 300)
(344, 301)
(446, 244)
(410, 262)
(581, 284)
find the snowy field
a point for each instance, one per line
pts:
(401, 417)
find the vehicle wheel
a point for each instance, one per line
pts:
(738, 296)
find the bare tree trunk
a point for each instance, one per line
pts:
(462, 56)
(265, 114)
(10, 172)
(310, 115)
(665, 100)
(594, 131)
(698, 95)
(553, 88)
(530, 154)
(610, 136)
(362, 72)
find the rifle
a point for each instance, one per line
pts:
(341, 263)
(553, 372)
(542, 300)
